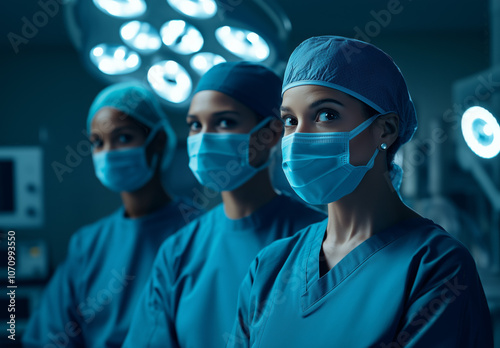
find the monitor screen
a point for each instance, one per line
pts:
(7, 203)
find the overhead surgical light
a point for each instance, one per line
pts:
(202, 9)
(170, 44)
(481, 132)
(170, 81)
(244, 43)
(202, 62)
(122, 8)
(141, 36)
(181, 37)
(114, 59)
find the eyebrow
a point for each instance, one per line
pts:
(219, 113)
(315, 104)
(323, 101)
(119, 129)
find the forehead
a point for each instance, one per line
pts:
(209, 102)
(107, 118)
(305, 95)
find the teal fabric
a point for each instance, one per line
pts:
(253, 85)
(412, 285)
(191, 298)
(90, 300)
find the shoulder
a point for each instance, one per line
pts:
(188, 244)
(436, 256)
(274, 256)
(89, 236)
(429, 240)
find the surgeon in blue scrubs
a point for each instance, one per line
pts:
(191, 297)
(90, 300)
(375, 273)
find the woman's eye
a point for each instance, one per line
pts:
(327, 115)
(194, 126)
(125, 138)
(226, 123)
(289, 121)
(96, 143)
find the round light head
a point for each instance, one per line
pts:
(170, 81)
(481, 132)
(201, 9)
(141, 36)
(114, 59)
(243, 43)
(181, 37)
(202, 62)
(122, 8)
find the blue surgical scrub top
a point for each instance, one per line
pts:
(412, 285)
(190, 300)
(90, 300)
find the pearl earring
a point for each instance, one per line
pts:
(383, 146)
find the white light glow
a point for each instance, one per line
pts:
(243, 43)
(141, 36)
(170, 81)
(202, 62)
(114, 59)
(481, 132)
(122, 8)
(181, 37)
(201, 9)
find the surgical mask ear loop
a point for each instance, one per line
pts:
(149, 139)
(255, 129)
(356, 131)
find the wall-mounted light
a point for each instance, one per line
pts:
(481, 132)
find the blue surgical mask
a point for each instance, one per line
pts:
(220, 161)
(317, 164)
(125, 169)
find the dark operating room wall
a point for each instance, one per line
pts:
(46, 96)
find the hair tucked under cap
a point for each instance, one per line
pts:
(138, 102)
(253, 85)
(358, 69)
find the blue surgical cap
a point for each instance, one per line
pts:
(358, 69)
(253, 85)
(138, 102)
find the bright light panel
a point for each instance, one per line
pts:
(170, 80)
(202, 62)
(114, 59)
(201, 9)
(243, 43)
(122, 8)
(481, 132)
(181, 37)
(141, 36)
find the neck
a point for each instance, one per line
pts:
(145, 200)
(249, 197)
(372, 207)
